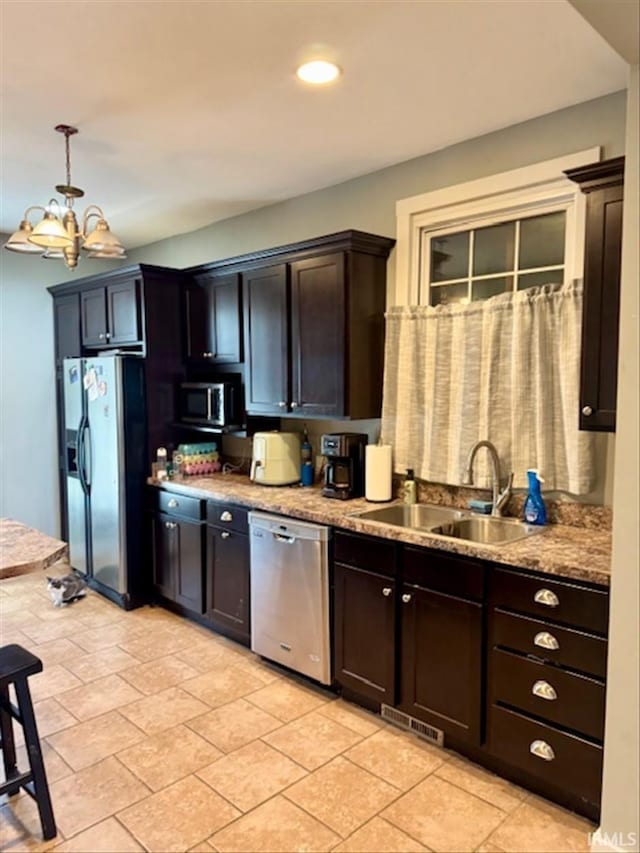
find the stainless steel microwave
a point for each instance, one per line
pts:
(215, 404)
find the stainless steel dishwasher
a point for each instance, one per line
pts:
(290, 593)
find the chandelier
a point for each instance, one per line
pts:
(57, 235)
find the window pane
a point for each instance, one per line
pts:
(449, 294)
(450, 256)
(535, 279)
(489, 287)
(493, 249)
(542, 240)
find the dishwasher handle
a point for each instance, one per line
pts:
(288, 540)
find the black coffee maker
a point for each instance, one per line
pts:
(344, 471)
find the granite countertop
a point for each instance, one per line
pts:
(23, 549)
(571, 552)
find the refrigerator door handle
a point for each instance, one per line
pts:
(86, 453)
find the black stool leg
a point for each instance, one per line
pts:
(32, 741)
(6, 735)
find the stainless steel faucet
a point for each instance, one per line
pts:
(499, 498)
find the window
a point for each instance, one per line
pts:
(503, 233)
(477, 263)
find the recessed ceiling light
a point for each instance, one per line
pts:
(319, 71)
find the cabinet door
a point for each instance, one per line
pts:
(66, 324)
(228, 581)
(165, 545)
(441, 661)
(365, 632)
(601, 309)
(123, 304)
(189, 569)
(177, 561)
(266, 339)
(93, 306)
(318, 336)
(213, 320)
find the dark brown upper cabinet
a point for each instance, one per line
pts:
(314, 327)
(66, 327)
(213, 319)
(111, 315)
(603, 184)
(266, 336)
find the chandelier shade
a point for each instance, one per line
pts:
(19, 240)
(58, 236)
(50, 233)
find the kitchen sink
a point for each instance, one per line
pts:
(452, 523)
(485, 531)
(420, 516)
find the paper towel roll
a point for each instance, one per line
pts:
(377, 472)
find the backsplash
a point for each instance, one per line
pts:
(572, 513)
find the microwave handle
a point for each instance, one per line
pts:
(209, 404)
(255, 464)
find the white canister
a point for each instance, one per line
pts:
(377, 472)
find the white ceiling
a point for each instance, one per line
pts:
(189, 112)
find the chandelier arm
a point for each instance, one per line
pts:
(90, 212)
(34, 207)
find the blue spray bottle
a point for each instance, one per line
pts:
(535, 511)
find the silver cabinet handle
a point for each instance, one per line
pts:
(282, 404)
(107, 335)
(170, 525)
(544, 690)
(406, 598)
(546, 597)
(225, 534)
(545, 640)
(207, 355)
(587, 411)
(294, 405)
(101, 336)
(226, 516)
(386, 591)
(173, 503)
(541, 749)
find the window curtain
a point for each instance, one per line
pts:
(507, 370)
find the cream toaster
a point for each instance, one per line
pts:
(276, 458)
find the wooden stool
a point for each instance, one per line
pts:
(16, 665)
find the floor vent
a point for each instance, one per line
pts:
(411, 724)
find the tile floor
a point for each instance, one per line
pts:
(160, 735)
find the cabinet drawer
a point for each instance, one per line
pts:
(228, 515)
(550, 642)
(457, 576)
(365, 552)
(559, 601)
(569, 700)
(571, 764)
(179, 505)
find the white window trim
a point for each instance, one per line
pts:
(533, 188)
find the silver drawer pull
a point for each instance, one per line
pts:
(170, 525)
(546, 597)
(173, 503)
(541, 749)
(225, 534)
(386, 591)
(545, 640)
(406, 598)
(544, 690)
(226, 516)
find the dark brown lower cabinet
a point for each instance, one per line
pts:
(228, 584)
(441, 661)
(177, 561)
(365, 618)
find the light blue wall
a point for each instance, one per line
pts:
(28, 486)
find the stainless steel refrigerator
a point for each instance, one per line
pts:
(105, 467)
